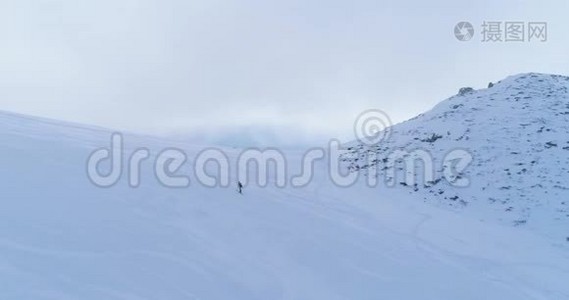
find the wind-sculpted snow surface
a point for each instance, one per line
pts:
(518, 135)
(61, 237)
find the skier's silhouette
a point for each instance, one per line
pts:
(239, 187)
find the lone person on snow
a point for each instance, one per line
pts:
(239, 187)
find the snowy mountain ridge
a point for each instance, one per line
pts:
(61, 237)
(517, 132)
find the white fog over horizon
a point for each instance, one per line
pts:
(253, 72)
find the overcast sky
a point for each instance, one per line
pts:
(293, 70)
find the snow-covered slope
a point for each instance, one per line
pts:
(518, 135)
(63, 238)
